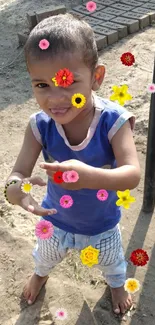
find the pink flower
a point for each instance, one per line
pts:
(65, 177)
(70, 176)
(151, 88)
(61, 314)
(44, 44)
(66, 201)
(91, 6)
(102, 195)
(44, 229)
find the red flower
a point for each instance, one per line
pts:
(127, 58)
(57, 177)
(139, 257)
(64, 78)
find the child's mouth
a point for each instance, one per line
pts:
(59, 111)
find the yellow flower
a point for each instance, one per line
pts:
(78, 100)
(26, 187)
(131, 285)
(55, 82)
(124, 199)
(89, 256)
(120, 94)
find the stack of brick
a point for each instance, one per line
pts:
(34, 18)
(111, 21)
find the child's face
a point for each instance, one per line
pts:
(56, 101)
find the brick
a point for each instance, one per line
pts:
(84, 11)
(101, 15)
(112, 35)
(122, 30)
(149, 6)
(121, 6)
(91, 21)
(22, 38)
(101, 41)
(32, 20)
(106, 2)
(144, 19)
(52, 11)
(113, 11)
(77, 14)
(132, 3)
(133, 25)
(143, 10)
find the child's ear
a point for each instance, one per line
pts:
(98, 77)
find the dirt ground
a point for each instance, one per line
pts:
(80, 290)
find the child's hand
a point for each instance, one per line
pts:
(84, 172)
(26, 201)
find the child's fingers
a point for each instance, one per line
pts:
(39, 211)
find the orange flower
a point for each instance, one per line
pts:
(64, 78)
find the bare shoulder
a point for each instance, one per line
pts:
(28, 154)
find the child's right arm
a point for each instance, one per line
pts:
(22, 169)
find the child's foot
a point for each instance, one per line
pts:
(121, 300)
(33, 287)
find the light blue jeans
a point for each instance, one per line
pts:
(50, 252)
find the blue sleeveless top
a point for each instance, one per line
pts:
(88, 215)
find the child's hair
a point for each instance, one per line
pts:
(65, 33)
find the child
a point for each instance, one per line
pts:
(81, 132)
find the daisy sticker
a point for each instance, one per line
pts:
(127, 59)
(70, 176)
(78, 100)
(44, 44)
(26, 187)
(63, 78)
(61, 314)
(131, 285)
(57, 177)
(91, 6)
(102, 195)
(44, 229)
(66, 201)
(151, 88)
(139, 257)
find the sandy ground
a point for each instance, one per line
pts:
(81, 291)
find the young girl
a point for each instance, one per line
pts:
(82, 133)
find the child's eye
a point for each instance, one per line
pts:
(42, 85)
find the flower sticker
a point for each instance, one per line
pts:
(78, 100)
(151, 88)
(44, 44)
(70, 176)
(125, 199)
(26, 187)
(57, 177)
(63, 78)
(131, 285)
(44, 229)
(61, 314)
(91, 6)
(139, 257)
(89, 256)
(66, 201)
(102, 195)
(120, 94)
(127, 59)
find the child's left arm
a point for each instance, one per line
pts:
(125, 176)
